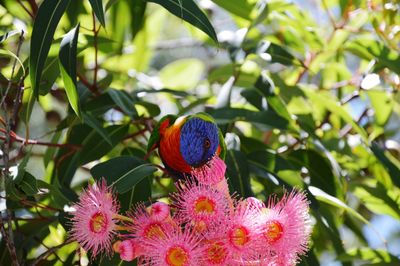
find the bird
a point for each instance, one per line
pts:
(188, 144)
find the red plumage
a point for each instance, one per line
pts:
(169, 147)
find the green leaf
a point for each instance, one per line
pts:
(132, 151)
(267, 87)
(11, 54)
(109, 4)
(248, 74)
(383, 103)
(97, 6)
(182, 74)
(151, 108)
(264, 118)
(224, 95)
(319, 169)
(46, 21)
(134, 176)
(369, 255)
(331, 200)
(124, 101)
(137, 10)
(99, 105)
(190, 12)
(241, 8)
(142, 191)
(12, 192)
(50, 151)
(254, 97)
(263, 159)
(21, 168)
(379, 200)
(94, 145)
(96, 125)
(335, 108)
(51, 71)
(238, 172)
(368, 49)
(28, 101)
(28, 184)
(393, 169)
(67, 56)
(275, 53)
(123, 172)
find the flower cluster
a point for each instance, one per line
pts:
(203, 225)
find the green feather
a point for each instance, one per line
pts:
(203, 116)
(222, 145)
(155, 135)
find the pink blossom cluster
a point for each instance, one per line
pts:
(203, 225)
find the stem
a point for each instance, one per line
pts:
(50, 251)
(26, 9)
(9, 120)
(138, 133)
(330, 15)
(17, 138)
(9, 242)
(122, 218)
(96, 65)
(88, 85)
(34, 7)
(121, 228)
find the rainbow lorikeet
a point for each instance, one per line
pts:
(187, 143)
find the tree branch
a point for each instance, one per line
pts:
(50, 251)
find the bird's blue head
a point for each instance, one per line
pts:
(199, 141)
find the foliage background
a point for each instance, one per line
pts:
(306, 93)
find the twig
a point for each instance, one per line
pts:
(21, 39)
(26, 9)
(350, 97)
(87, 84)
(309, 58)
(6, 145)
(35, 204)
(34, 7)
(138, 133)
(96, 65)
(9, 242)
(50, 251)
(17, 138)
(347, 128)
(37, 239)
(330, 15)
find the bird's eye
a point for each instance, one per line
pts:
(207, 143)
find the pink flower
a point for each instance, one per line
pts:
(286, 228)
(143, 227)
(252, 203)
(212, 172)
(175, 249)
(93, 222)
(243, 229)
(216, 249)
(127, 250)
(159, 211)
(199, 205)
